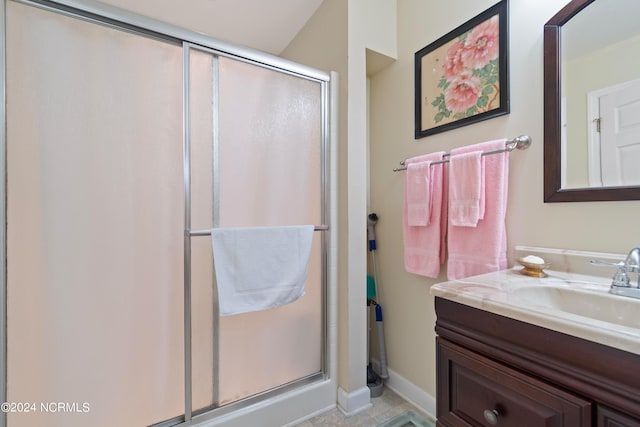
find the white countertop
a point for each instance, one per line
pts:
(498, 293)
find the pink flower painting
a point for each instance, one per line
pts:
(462, 77)
(469, 83)
(481, 45)
(462, 92)
(453, 64)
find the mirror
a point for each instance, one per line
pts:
(592, 102)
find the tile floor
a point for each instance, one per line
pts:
(384, 408)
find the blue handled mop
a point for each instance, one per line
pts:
(372, 378)
(372, 219)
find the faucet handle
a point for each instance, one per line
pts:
(632, 262)
(621, 278)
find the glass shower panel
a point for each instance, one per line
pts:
(95, 223)
(270, 174)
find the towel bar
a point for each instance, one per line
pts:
(208, 232)
(521, 142)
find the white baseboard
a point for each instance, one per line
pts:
(355, 401)
(410, 392)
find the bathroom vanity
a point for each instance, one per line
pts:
(526, 352)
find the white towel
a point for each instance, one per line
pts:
(259, 268)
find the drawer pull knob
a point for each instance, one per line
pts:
(491, 416)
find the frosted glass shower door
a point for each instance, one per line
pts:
(270, 174)
(255, 160)
(95, 223)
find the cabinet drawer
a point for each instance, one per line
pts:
(610, 418)
(476, 391)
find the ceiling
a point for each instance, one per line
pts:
(266, 25)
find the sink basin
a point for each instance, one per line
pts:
(597, 305)
(574, 299)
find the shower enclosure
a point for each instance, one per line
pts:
(126, 141)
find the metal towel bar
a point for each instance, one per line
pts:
(208, 232)
(522, 142)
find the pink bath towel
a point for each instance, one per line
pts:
(466, 189)
(424, 246)
(482, 249)
(418, 190)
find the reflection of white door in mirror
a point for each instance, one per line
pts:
(614, 135)
(600, 49)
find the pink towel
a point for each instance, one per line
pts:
(418, 191)
(466, 189)
(482, 249)
(424, 249)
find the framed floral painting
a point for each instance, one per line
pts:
(463, 77)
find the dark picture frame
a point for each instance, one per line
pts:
(463, 77)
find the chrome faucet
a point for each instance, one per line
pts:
(621, 283)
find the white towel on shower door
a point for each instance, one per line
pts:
(259, 268)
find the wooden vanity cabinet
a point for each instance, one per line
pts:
(482, 392)
(609, 418)
(493, 370)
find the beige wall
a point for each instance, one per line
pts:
(600, 226)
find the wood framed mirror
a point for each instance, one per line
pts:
(569, 125)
